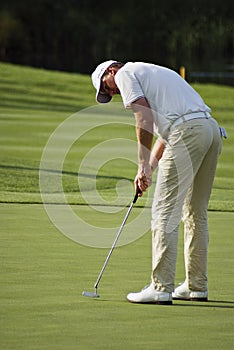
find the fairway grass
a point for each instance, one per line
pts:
(43, 273)
(35, 102)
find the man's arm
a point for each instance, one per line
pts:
(144, 132)
(156, 153)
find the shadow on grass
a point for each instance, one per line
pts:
(221, 304)
(64, 172)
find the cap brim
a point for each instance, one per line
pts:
(103, 98)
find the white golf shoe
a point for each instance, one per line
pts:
(184, 293)
(149, 295)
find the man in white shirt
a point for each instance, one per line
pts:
(186, 153)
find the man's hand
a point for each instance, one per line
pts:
(143, 179)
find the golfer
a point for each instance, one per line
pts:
(186, 152)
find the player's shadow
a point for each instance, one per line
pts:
(220, 304)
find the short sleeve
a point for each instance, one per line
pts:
(129, 87)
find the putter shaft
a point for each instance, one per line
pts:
(113, 247)
(95, 295)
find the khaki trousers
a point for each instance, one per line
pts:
(184, 183)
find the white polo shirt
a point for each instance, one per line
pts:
(168, 94)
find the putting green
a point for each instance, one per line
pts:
(44, 274)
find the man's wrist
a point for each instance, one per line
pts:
(153, 164)
(144, 168)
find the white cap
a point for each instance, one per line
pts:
(96, 80)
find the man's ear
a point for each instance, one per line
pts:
(112, 70)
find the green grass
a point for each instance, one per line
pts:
(43, 273)
(35, 102)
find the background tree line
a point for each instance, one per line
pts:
(75, 35)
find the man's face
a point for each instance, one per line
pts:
(108, 85)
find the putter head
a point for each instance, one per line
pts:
(91, 295)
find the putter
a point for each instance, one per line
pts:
(95, 293)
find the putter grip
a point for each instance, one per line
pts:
(136, 195)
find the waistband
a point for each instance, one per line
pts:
(186, 117)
